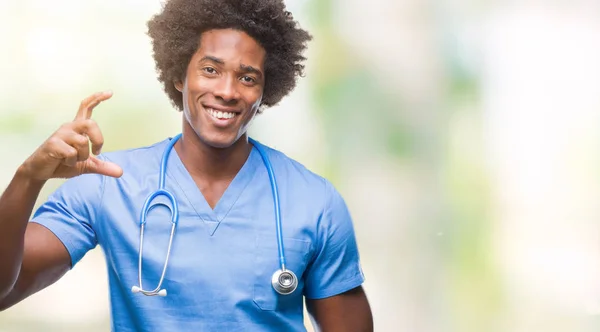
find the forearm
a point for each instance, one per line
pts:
(16, 206)
(349, 311)
(359, 321)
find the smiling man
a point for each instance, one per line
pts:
(226, 233)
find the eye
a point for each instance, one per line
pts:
(209, 70)
(248, 79)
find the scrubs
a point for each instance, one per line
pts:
(219, 272)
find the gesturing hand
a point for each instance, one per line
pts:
(67, 152)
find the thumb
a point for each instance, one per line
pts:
(97, 166)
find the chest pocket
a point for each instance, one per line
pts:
(267, 262)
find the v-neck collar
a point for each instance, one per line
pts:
(211, 217)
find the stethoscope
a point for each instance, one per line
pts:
(284, 281)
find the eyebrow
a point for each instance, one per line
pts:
(245, 68)
(250, 69)
(213, 59)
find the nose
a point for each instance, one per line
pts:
(226, 89)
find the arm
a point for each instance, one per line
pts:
(40, 260)
(349, 311)
(31, 256)
(26, 250)
(334, 296)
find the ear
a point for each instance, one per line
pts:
(178, 85)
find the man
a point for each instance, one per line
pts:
(220, 62)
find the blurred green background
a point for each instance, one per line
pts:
(464, 136)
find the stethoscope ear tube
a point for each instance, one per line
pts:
(136, 289)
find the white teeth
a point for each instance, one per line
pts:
(219, 114)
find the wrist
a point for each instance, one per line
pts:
(24, 178)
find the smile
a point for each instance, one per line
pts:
(219, 114)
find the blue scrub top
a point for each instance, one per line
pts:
(222, 260)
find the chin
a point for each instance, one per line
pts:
(218, 141)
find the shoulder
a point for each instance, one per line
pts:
(299, 179)
(136, 156)
(137, 163)
(291, 167)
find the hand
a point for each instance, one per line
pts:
(66, 153)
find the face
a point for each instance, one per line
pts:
(223, 86)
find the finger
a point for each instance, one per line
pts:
(97, 166)
(91, 129)
(80, 143)
(84, 104)
(60, 150)
(88, 104)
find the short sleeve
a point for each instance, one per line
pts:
(70, 213)
(335, 267)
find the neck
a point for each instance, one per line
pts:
(210, 163)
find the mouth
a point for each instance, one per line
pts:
(221, 117)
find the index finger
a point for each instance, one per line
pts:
(88, 104)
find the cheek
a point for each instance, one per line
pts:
(254, 98)
(187, 114)
(194, 89)
(198, 85)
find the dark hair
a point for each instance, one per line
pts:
(175, 34)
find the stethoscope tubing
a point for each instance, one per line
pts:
(174, 208)
(275, 192)
(280, 286)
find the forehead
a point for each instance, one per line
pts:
(233, 46)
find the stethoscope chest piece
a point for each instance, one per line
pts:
(284, 282)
